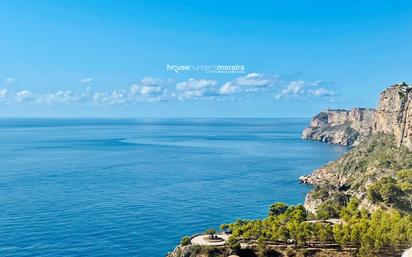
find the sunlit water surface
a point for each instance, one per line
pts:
(90, 187)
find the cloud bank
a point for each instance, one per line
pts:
(150, 89)
(300, 90)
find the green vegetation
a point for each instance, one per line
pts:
(202, 250)
(393, 191)
(329, 209)
(211, 232)
(185, 240)
(379, 234)
(371, 234)
(225, 227)
(362, 204)
(277, 209)
(377, 171)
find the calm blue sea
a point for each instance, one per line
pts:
(100, 187)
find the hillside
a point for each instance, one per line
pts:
(361, 203)
(377, 172)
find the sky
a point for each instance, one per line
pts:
(199, 58)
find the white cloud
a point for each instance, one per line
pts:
(59, 97)
(145, 90)
(118, 96)
(294, 88)
(151, 81)
(24, 96)
(148, 90)
(196, 89)
(252, 82)
(86, 80)
(228, 88)
(3, 93)
(151, 89)
(319, 92)
(195, 84)
(303, 90)
(10, 80)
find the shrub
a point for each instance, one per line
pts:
(277, 209)
(185, 241)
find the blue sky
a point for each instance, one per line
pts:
(109, 58)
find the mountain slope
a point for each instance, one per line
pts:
(375, 161)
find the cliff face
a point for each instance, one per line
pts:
(181, 251)
(280, 251)
(384, 139)
(378, 171)
(375, 158)
(341, 126)
(393, 116)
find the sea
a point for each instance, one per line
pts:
(135, 187)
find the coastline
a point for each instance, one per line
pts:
(304, 180)
(370, 183)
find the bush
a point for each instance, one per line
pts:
(328, 210)
(320, 192)
(234, 244)
(277, 209)
(185, 241)
(385, 190)
(211, 232)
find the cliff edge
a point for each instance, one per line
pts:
(368, 189)
(341, 127)
(394, 114)
(349, 127)
(383, 153)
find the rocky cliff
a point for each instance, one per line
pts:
(394, 114)
(384, 137)
(341, 126)
(349, 127)
(375, 161)
(377, 172)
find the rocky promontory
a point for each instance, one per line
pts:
(343, 127)
(349, 127)
(384, 139)
(368, 189)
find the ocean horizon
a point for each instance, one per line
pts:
(134, 187)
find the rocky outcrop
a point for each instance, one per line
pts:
(180, 251)
(392, 116)
(250, 250)
(341, 126)
(384, 143)
(374, 158)
(379, 133)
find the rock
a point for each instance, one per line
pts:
(350, 127)
(341, 127)
(351, 175)
(394, 114)
(311, 203)
(180, 251)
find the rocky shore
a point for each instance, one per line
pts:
(342, 127)
(382, 158)
(384, 130)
